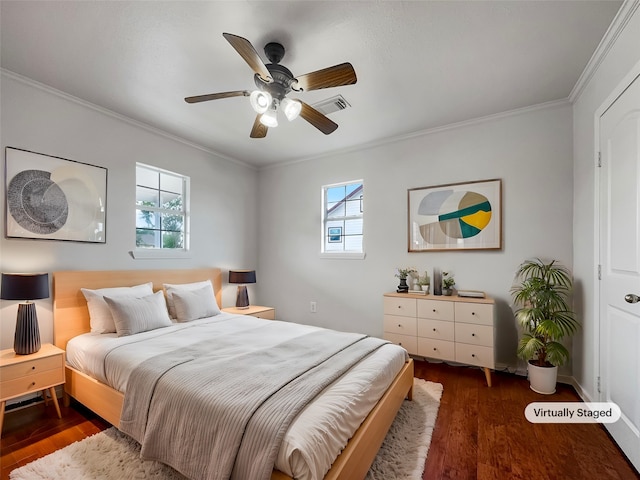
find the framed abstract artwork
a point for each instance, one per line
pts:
(457, 216)
(52, 198)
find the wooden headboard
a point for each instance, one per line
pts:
(70, 313)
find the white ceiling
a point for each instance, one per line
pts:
(420, 64)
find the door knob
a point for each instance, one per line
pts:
(631, 298)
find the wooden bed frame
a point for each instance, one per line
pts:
(71, 318)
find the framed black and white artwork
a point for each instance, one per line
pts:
(52, 198)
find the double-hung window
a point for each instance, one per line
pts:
(162, 219)
(342, 219)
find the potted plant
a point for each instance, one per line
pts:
(402, 274)
(542, 297)
(423, 282)
(447, 283)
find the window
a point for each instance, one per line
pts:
(162, 218)
(342, 218)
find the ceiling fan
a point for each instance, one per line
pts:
(275, 81)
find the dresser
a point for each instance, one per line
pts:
(456, 329)
(23, 374)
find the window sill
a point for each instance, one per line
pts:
(147, 254)
(343, 255)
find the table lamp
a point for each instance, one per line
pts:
(243, 277)
(25, 287)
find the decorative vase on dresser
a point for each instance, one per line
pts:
(455, 329)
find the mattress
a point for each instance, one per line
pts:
(319, 432)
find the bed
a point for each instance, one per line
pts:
(71, 319)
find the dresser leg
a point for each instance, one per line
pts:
(487, 374)
(2, 405)
(52, 391)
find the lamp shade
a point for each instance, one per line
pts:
(28, 286)
(242, 276)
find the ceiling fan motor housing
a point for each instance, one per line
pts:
(281, 84)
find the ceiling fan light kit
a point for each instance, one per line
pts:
(275, 81)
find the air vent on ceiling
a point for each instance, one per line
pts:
(330, 105)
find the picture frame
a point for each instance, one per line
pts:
(53, 198)
(455, 216)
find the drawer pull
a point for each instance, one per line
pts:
(400, 325)
(473, 334)
(399, 306)
(473, 313)
(473, 355)
(33, 368)
(434, 329)
(434, 310)
(400, 343)
(33, 384)
(435, 349)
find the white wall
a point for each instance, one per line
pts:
(223, 194)
(623, 55)
(531, 151)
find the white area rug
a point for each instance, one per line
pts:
(110, 455)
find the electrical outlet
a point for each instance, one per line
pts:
(313, 307)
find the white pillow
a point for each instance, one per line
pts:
(193, 304)
(134, 315)
(99, 314)
(171, 288)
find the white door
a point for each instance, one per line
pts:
(620, 266)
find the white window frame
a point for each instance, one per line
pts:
(154, 252)
(344, 254)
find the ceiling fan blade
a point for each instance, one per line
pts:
(246, 51)
(259, 130)
(216, 96)
(317, 119)
(335, 76)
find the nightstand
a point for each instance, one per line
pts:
(24, 374)
(268, 313)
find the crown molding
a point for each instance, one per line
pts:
(431, 131)
(609, 39)
(46, 88)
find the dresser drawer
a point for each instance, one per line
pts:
(402, 325)
(30, 383)
(30, 367)
(435, 310)
(475, 355)
(474, 334)
(440, 349)
(405, 307)
(478, 313)
(409, 343)
(437, 329)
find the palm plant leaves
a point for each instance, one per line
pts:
(544, 312)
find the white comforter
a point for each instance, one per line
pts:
(319, 432)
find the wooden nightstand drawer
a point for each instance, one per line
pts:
(267, 315)
(30, 383)
(30, 367)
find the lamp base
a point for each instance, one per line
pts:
(27, 337)
(242, 300)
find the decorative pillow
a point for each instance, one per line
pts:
(99, 314)
(171, 288)
(193, 304)
(134, 315)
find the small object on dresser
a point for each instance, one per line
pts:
(417, 292)
(471, 293)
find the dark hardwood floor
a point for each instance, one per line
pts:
(481, 433)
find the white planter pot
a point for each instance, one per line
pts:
(543, 379)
